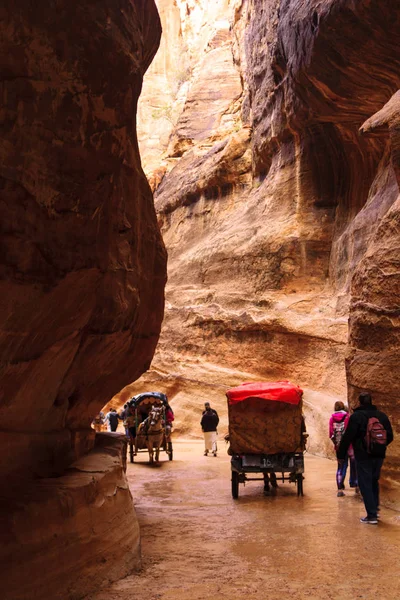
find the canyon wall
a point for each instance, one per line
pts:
(83, 269)
(63, 538)
(272, 204)
(374, 341)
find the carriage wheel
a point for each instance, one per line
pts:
(170, 451)
(299, 482)
(235, 485)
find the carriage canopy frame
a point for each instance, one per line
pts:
(156, 396)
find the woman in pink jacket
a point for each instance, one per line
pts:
(337, 425)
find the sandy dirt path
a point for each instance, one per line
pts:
(198, 543)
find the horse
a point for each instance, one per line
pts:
(152, 429)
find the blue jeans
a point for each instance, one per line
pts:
(368, 479)
(342, 470)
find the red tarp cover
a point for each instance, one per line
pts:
(280, 391)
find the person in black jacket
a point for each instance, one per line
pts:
(368, 465)
(207, 407)
(209, 422)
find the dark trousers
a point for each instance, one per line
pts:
(368, 472)
(342, 470)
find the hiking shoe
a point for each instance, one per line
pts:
(369, 520)
(205, 452)
(340, 493)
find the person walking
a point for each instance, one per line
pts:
(337, 426)
(369, 431)
(98, 422)
(209, 423)
(130, 423)
(123, 415)
(169, 418)
(208, 407)
(112, 419)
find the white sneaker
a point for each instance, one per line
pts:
(369, 521)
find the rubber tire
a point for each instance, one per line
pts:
(170, 451)
(235, 485)
(299, 482)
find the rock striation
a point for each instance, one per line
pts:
(64, 537)
(83, 265)
(270, 201)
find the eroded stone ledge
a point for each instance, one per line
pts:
(67, 536)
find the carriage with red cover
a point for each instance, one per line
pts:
(266, 433)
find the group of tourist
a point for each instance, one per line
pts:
(360, 443)
(209, 422)
(128, 418)
(110, 420)
(361, 440)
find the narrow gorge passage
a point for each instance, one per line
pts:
(198, 543)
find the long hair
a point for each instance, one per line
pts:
(338, 406)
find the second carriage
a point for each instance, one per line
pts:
(267, 434)
(141, 405)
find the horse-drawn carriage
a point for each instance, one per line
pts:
(152, 425)
(266, 434)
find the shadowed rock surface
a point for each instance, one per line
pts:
(83, 265)
(64, 537)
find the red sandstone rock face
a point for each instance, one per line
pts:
(63, 538)
(83, 265)
(374, 342)
(82, 276)
(268, 213)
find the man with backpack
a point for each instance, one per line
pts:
(370, 432)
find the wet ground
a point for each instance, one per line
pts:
(198, 543)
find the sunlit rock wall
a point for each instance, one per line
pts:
(83, 265)
(268, 196)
